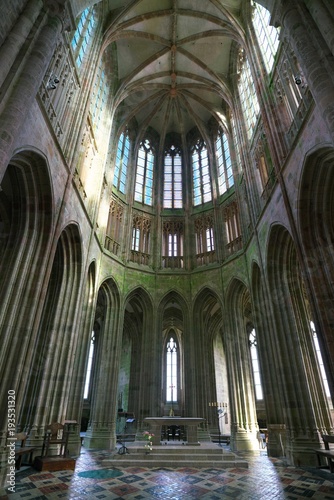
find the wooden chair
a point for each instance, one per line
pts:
(22, 449)
(328, 452)
(55, 434)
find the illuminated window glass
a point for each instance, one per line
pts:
(248, 98)
(84, 31)
(267, 35)
(89, 367)
(320, 361)
(255, 365)
(171, 371)
(173, 178)
(225, 174)
(144, 174)
(99, 97)
(122, 158)
(202, 191)
(135, 239)
(204, 234)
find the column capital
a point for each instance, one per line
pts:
(59, 9)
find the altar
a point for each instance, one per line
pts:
(191, 423)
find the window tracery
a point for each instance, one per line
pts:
(267, 35)
(172, 244)
(121, 164)
(225, 173)
(141, 235)
(205, 245)
(202, 189)
(114, 227)
(232, 227)
(144, 174)
(173, 177)
(247, 93)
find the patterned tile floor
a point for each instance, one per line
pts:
(265, 479)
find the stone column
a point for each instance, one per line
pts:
(17, 37)
(317, 67)
(323, 20)
(24, 90)
(101, 432)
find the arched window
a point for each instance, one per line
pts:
(173, 178)
(202, 190)
(99, 96)
(267, 35)
(89, 366)
(225, 174)
(171, 371)
(255, 365)
(82, 34)
(248, 98)
(122, 159)
(144, 174)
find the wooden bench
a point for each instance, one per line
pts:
(22, 450)
(327, 452)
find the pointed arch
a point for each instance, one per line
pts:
(295, 356)
(26, 229)
(173, 316)
(315, 211)
(136, 373)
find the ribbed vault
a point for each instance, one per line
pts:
(173, 61)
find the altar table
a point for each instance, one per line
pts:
(191, 423)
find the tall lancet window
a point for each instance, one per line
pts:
(202, 191)
(121, 165)
(247, 92)
(144, 174)
(173, 178)
(171, 371)
(225, 174)
(255, 365)
(267, 35)
(89, 367)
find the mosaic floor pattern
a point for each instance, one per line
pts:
(265, 479)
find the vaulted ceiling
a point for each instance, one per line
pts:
(173, 60)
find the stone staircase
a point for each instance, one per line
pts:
(175, 455)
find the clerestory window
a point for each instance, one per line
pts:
(202, 189)
(83, 33)
(267, 35)
(248, 98)
(99, 97)
(225, 173)
(173, 178)
(121, 165)
(144, 174)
